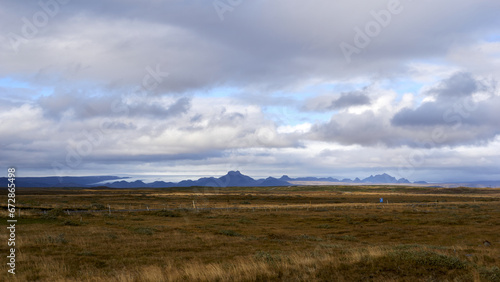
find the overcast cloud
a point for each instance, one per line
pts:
(269, 88)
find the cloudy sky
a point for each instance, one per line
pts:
(304, 88)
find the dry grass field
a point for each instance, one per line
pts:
(323, 233)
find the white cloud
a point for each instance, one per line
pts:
(299, 128)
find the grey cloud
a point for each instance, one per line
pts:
(366, 129)
(289, 43)
(155, 158)
(133, 138)
(427, 114)
(196, 118)
(179, 107)
(454, 105)
(347, 100)
(83, 105)
(458, 113)
(333, 102)
(370, 130)
(459, 85)
(115, 125)
(439, 123)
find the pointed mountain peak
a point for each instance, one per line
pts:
(380, 178)
(285, 178)
(403, 180)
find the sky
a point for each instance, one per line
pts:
(303, 88)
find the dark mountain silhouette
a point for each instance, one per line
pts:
(379, 178)
(235, 178)
(285, 178)
(231, 179)
(384, 178)
(271, 181)
(404, 180)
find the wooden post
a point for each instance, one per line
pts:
(109, 209)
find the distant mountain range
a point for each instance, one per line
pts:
(231, 179)
(54, 181)
(379, 178)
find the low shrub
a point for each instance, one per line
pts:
(228, 233)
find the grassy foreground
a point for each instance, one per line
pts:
(256, 234)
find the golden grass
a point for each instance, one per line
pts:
(257, 235)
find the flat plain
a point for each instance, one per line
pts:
(298, 233)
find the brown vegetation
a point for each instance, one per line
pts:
(257, 234)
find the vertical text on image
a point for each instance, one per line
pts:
(11, 222)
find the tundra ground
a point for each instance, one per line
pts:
(322, 233)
